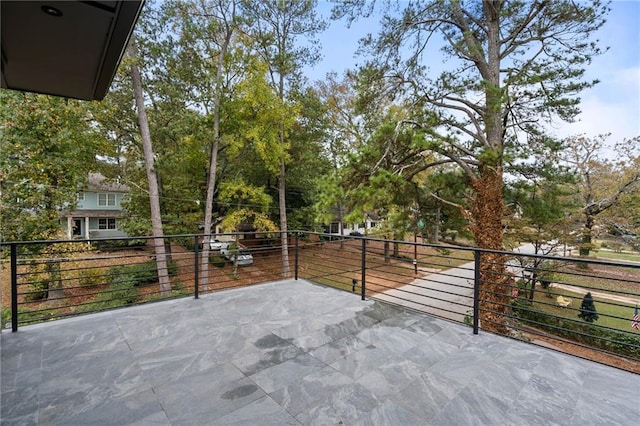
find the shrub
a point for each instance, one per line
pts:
(141, 273)
(588, 309)
(6, 317)
(92, 278)
(578, 331)
(38, 288)
(120, 293)
(217, 260)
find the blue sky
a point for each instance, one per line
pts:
(612, 106)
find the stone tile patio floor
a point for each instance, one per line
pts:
(292, 352)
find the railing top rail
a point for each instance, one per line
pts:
(631, 265)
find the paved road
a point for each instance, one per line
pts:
(449, 293)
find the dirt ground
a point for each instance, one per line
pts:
(591, 354)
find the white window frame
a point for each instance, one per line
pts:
(81, 196)
(107, 223)
(106, 199)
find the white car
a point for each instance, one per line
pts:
(244, 256)
(217, 244)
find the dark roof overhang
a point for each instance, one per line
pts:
(64, 48)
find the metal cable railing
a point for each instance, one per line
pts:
(562, 301)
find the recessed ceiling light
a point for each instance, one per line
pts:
(52, 11)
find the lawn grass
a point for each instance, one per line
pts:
(612, 314)
(621, 256)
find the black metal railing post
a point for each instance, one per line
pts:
(296, 254)
(364, 269)
(14, 287)
(476, 291)
(196, 268)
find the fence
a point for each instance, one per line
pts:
(573, 304)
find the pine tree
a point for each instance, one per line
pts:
(588, 309)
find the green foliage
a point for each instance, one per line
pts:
(120, 293)
(588, 309)
(92, 277)
(48, 146)
(139, 274)
(582, 332)
(109, 245)
(217, 260)
(38, 288)
(5, 316)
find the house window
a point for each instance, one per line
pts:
(107, 223)
(105, 199)
(81, 196)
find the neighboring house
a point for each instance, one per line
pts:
(98, 210)
(372, 221)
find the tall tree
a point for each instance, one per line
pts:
(345, 131)
(512, 66)
(276, 27)
(602, 182)
(48, 146)
(154, 195)
(208, 29)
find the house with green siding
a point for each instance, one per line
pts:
(98, 210)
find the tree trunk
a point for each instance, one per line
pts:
(494, 286)
(213, 159)
(283, 218)
(54, 287)
(154, 199)
(488, 204)
(340, 224)
(585, 241)
(436, 225)
(282, 198)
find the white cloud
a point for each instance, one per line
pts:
(613, 106)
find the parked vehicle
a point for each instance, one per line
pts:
(217, 244)
(244, 256)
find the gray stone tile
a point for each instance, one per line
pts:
(462, 365)
(429, 353)
(426, 396)
(562, 367)
(500, 384)
(169, 365)
(281, 375)
(389, 413)
(425, 326)
(394, 339)
(263, 412)
(616, 384)
(73, 387)
(19, 404)
(190, 359)
(345, 406)
(30, 419)
(311, 390)
(203, 398)
(313, 340)
(141, 408)
(299, 328)
(472, 407)
(544, 402)
(269, 350)
(596, 410)
(340, 348)
(364, 361)
(391, 377)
